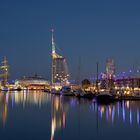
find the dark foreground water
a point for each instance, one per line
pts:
(41, 116)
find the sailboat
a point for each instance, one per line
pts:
(102, 95)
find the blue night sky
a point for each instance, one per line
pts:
(92, 30)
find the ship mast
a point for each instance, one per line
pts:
(5, 72)
(97, 78)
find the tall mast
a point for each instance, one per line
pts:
(97, 74)
(5, 71)
(79, 71)
(53, 44)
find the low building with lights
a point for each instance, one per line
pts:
(133, 82)
(32, 83)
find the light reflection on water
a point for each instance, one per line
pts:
(69, 115)
(124, 111)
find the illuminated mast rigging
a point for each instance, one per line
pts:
(5, 71)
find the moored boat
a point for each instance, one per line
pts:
(84, 94)
(47, 90)
(104, 97)
(54, 91)
(66, 91)
(87, 94)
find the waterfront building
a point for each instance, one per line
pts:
(60, 73)
(32, 83)
(128, 82)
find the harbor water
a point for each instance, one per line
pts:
(36, 115)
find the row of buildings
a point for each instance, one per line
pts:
(110, 80)
(60, 74)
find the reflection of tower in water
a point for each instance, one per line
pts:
(58, 115)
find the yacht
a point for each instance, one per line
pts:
(54, 91)
(84, 94)
(104, 96)
(66, 91)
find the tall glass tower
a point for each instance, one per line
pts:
(60, 73)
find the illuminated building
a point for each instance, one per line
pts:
(35, 82)
(59, 67)
(133, 82)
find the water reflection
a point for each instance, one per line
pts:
(58, 115)
(62, 109)
(3, 108)
(59, 110)
(125, 111)
(13, 98)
